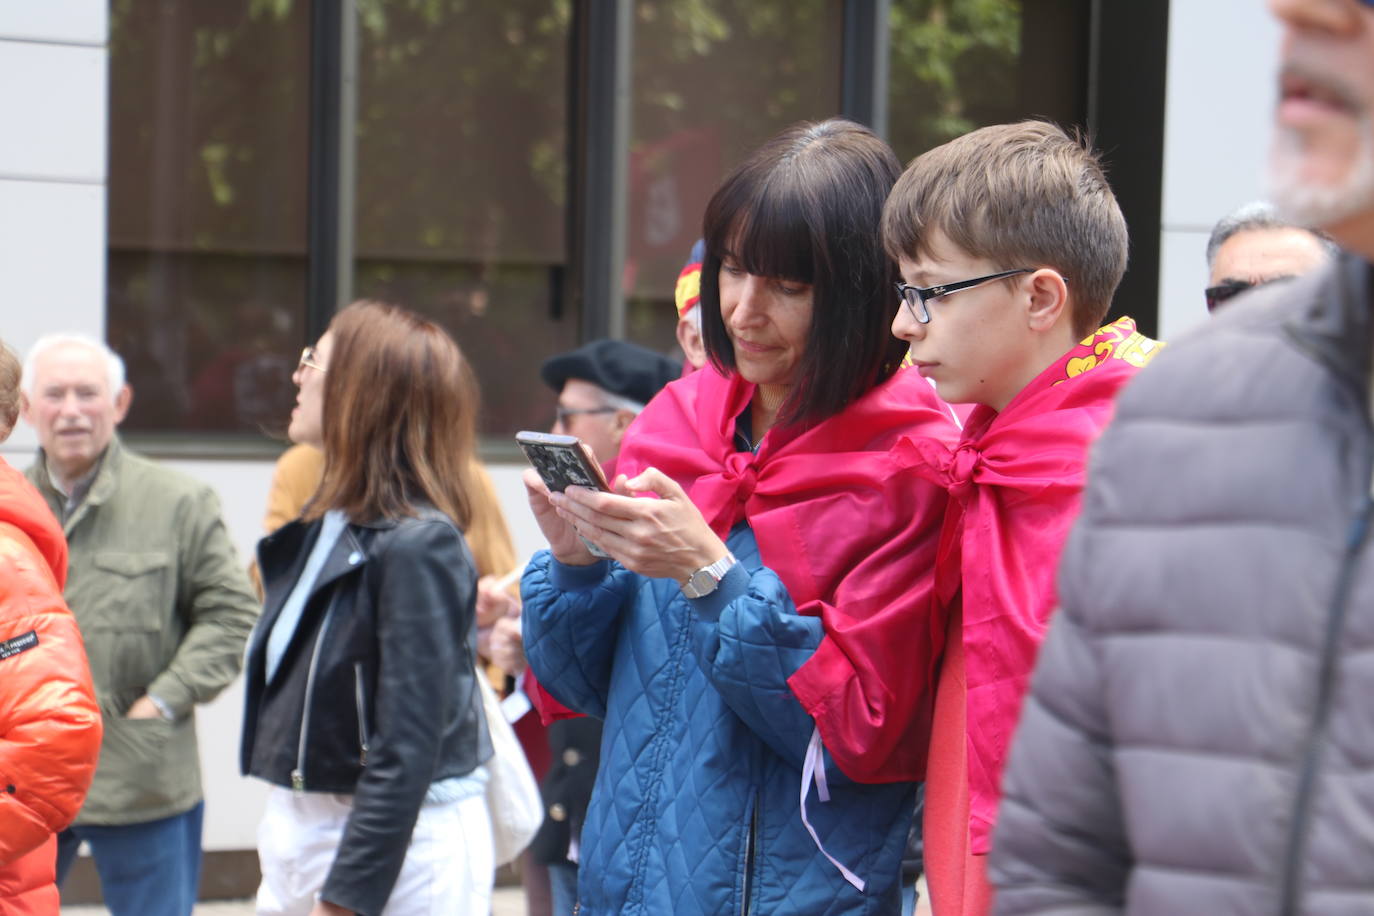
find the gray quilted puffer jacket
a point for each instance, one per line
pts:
(1200, 734)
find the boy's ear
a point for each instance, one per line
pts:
(1049, 300)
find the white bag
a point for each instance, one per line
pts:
(513, 798)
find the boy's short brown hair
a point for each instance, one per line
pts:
(1020, 195)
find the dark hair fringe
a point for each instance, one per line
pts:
(807, 207)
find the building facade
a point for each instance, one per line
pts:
(203, 184)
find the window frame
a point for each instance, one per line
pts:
(1121, 53)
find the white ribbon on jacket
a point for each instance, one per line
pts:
(814, 767)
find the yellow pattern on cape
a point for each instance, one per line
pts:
(1118, 340)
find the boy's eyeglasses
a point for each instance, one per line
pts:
(1220, 293)
(308, 360)
(916, 297)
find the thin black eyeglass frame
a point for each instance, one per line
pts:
(923, 294)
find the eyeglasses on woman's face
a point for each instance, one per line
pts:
(310, 360)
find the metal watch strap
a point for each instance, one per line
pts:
(704, 581)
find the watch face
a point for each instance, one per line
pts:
(705, 580)
(701, 583)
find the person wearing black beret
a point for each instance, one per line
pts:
(602, 386)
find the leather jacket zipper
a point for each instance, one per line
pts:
(1300, 828)
(750, 852)
(298, 774)
(358, 696)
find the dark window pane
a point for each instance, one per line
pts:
(207, 204)
(712, 81)
(462, 179)
(961, 64)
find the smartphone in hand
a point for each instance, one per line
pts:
(562, 462)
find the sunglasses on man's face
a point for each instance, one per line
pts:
(1220, 293)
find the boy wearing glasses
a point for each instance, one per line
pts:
(1010, 245)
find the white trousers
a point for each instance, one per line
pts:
(448, 867)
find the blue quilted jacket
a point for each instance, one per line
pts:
(696, 808)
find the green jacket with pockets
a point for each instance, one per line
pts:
(165, 608)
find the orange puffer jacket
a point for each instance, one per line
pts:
(49, 724)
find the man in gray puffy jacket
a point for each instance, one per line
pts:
(1200, 733)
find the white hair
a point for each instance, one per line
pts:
(620, 402)
(114, 366)
(693, 315)
(1259, 216)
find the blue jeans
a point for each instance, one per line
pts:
(563, 888)
(148, 869)
(909, 895)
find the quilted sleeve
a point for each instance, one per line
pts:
(1060, 844)
(749, 639)
(49, 724)
(570, 620)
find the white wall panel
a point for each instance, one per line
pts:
(52, 112)
(52, 264)
(1218, 108)
(72, 21)
(1182, 278)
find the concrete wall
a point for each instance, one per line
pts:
(1218, 109)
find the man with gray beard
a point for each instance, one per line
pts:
(1200, 733)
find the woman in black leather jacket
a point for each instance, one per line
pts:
(361, 702)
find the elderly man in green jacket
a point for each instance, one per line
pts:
(165, 608)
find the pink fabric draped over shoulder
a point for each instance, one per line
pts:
(1015, 480)
(846, 529)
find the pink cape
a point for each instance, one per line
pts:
(1015, 479)
(846, 529)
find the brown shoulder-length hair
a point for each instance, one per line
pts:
(399, 415)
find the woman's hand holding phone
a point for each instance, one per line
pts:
(661, 538)
(567, 547)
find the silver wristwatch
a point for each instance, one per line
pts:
(705, 580)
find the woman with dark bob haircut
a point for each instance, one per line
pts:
(765, 623)
(362, 707)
